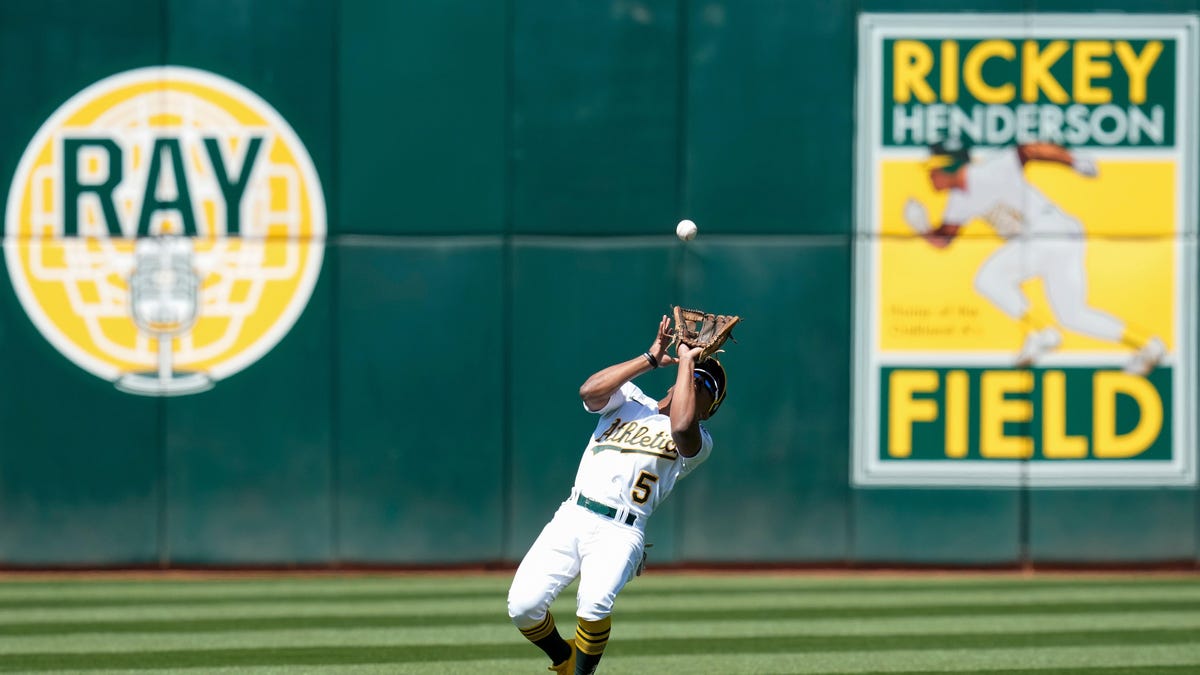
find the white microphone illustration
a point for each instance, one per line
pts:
(164, 293)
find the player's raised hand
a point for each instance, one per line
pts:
(1084, 166)
(662, 341)
(917, 217)
(688, 353)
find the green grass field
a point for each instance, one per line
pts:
(663, 623)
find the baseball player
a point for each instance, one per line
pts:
(1041, 241)
(640, 448)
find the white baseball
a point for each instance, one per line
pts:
(686, 230)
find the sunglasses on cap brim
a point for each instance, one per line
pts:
(709, 382)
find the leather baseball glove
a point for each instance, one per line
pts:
(697, 328)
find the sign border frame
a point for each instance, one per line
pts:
(866, 469)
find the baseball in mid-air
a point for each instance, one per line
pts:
(686, 230)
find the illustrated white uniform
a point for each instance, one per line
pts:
(629, 467)
(1043, 242)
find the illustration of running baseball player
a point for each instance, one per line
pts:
(640, 448)
(1041, 241)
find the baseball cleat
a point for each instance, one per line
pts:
(1038, 344)
(1146, 358)
(566, 667)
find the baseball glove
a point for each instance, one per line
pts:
(641, 568)
(696, 328)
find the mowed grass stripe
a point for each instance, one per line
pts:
(14, 595)
(677, 665)
(22, 595)
(1107, 661)
(698, 600)
(1059, 661)
(665, 580)
(282, 583)
(692, 647)
(854, 583)
(210, 600)
(265, 620)
(624, 629)
(199, 597)
(1091, 670)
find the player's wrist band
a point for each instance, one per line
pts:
(650, 357)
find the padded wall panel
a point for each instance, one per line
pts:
(422, 97)
(595, 117)
(421, 400)
(249, 471)
(768, 130)
(1112, 526)
(777, 481)
(80, 463)
(282, 50)
(937, 526)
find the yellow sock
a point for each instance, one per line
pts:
(546, 637)
(539, 630)
(591, 637)
(1034, 322)
(1134, 337)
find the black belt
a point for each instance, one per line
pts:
(603, 509)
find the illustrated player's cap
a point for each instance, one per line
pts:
(711, 370)
(948, 155)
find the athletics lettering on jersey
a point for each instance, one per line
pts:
(624, 435)
(1005, 219)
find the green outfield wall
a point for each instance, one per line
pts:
(467, 208)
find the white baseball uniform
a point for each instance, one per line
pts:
(629, 467)
(1043, 242)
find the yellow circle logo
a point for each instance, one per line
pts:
(164, 229)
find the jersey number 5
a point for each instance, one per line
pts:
(642, 487)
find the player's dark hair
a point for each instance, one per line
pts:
(713, 368)
(954, 153)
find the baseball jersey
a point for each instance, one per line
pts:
(630, 460)
(998, 193)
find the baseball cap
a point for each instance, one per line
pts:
(948, 155)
